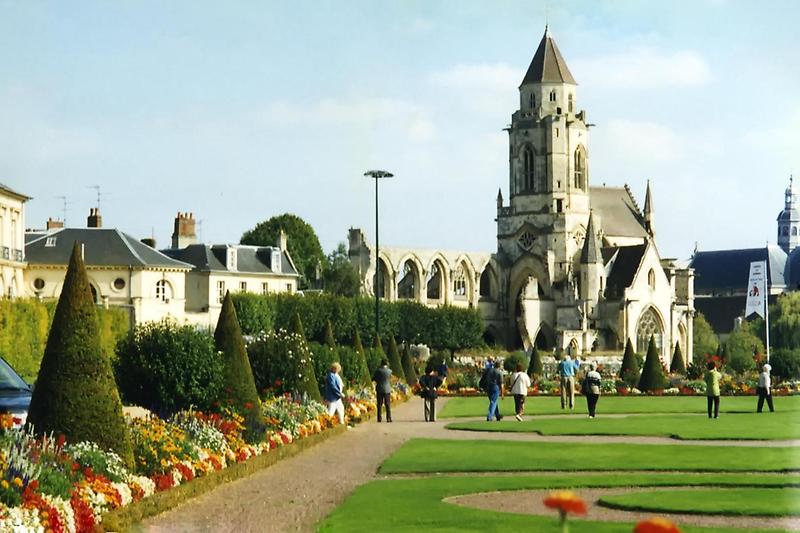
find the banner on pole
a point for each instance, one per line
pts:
(756, 289)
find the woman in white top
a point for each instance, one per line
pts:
(765, 388)
(520, 382)
(591, 387)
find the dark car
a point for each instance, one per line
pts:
(15, 394)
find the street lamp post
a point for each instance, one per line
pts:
(377, 174)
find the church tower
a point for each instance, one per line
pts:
(549, 163)
(789, 221)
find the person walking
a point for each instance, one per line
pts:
(334, 392)
(493, 385)
(383, 389)
(712, 388)
(764, 388)
(430, 384)
(591, 387)
(566, 370)
(520, 383)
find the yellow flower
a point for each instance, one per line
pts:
(4, 484)
(17, 481)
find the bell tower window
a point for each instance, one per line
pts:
(533, 101)
(528, 169)
(569, 103)
(580, 169)
(552, 96)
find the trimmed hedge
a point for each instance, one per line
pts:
(25, 324)
(446, 327)
(653, 377)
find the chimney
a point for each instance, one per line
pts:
(54, 224)
(184, 230)
(282, 240)
(149, 241)
(94, 220)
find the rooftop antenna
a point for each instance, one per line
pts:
(100, 195)
(64, 204)
(199, 225)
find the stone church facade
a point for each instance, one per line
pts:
(577, 267)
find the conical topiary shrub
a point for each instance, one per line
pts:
(629, 371)
(653, 373)
(75, 394)
(329, 341)
(408, 366)
(359, 349)
(378, 345)
(308, 381)
(238, 385)
(394, 360)
(678, 366)
(535, 367)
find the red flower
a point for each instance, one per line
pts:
(278, 383)
(248, 405)
(16, 420)
(565, 502)
(61, 441)
(656, 525)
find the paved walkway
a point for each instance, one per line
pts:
(298, 492)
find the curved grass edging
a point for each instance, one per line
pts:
(123, 518)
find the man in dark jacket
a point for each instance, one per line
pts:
(492, 383)
(383, 389)
(429, 383)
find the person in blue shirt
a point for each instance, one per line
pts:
(334, 392)
(566, 371)
(492, 383)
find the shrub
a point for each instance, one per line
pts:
(275, 357)
(165, 368)
(373, 357)
(535, 367)
(255, 313)
(517, 358)
(323, 357)
(239, 387)
(308, 378)
(786, 363)
(740, 347)
(677, 365)
(653, 377)
(354, 367)
(329, 341)
(629, 371)
(408, 366)
(75, 392)
(394, 360)
(704, 339)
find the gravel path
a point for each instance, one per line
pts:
(532, 502)
(296, 493)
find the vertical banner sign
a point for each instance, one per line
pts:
(756, 289)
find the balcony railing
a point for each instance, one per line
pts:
(18, 255)
(6, 252)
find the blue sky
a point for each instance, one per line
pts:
(237, 111)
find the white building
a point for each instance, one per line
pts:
(12, 241)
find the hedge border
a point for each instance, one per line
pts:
(123, 518)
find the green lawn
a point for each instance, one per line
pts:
(730, 501)
(432, 455)
(539, 405)
(779, 425)
(416, 504)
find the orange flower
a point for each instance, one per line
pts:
(566, 501)
(656, 525)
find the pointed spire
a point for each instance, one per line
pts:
(499, 198)
(591, 245)
(649, 212)
(548, 66)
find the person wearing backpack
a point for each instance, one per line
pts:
(520, 383)
(429, 384)
(334, 392)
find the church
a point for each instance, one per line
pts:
(576, 268)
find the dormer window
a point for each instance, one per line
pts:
(50, 242)
(230, 262)
(276, 261)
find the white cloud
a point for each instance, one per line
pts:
(488, 89)
(643, 68)
(642, 141)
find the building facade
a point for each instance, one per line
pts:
(576, 267)
(12, 241)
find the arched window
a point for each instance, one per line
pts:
(569, 103)
(163, 290)
(553, 95)
(528, 168)
(380, 282)
(794, 230)
(580, 168)
(409, 281)
(785, 231)
(488, 284)
(533, 101)
(435, 282)
(649, 325)
(460, 282)
(651, 278)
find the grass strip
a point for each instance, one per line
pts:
(123, 518)
(550, 405)
(437, 455)
(754, 426)
(416, 504)
(725, 501)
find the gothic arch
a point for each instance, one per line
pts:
(528, 160)
(463, 279)
(383, 287)
(545, 338)
(409, 278)
(488, 286)
(579, 168)
(437, 280)
(650, 322)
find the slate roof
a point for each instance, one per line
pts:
(626, 264)
(722, 271)
(102, 247)
(792, 272)
(619, 215)
(722, 311)
(548, 66)
(249, 259)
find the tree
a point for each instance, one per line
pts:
(75, 393)
(357, 346)
(629, 371)
(394, 360)
(678, 366)
(309, 378)
(340, 276)
(740, 348)
(653, 373)
(359, 349)
(329, 341)
(408, 366)
(535, 367)
(784, 321)
(704, 340)
(302, 242)
(238, 384)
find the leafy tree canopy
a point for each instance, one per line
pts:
(302, 242)
(705, 341)
(339, 276)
